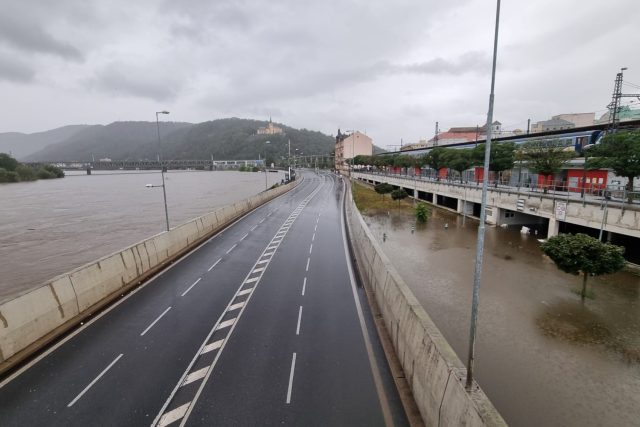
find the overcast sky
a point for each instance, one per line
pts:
(390, 68)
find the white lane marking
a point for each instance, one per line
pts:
(236, 306)
(262, 261)
(304, 286)
(155, 321)
(315, 228)
(214, 264)
(262, 220)
(308, 260)
(213, 346)
(254, 227)
(226, 324)
(313, 237)
(310, 249)
(299, 320)
(197, 355)
(195, 376)
(104, 371)
(232, 248)
(268, 253)
(189, 288)
(253, 279)
(258, 270)
(173, 415)
(293, 367)
(244, 237)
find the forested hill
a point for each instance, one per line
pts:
(224, 139)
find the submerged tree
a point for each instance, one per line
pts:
(383, 188)
(399, 194)
(579, 253)
(422, 212)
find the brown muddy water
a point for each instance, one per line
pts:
(542, 357)
(49, 227)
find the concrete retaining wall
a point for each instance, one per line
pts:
(33, 319)
(434, 372)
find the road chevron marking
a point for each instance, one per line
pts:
(168, 414)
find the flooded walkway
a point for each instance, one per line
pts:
(543, 357)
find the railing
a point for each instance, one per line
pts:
(613, 195)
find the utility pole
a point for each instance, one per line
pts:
(477, 277)
(528, 126)
(614, 106)
(435, 139)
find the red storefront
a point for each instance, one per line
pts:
(594, 180)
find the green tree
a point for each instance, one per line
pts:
(59, 173)
(546, 156)
(422, 212)
(619, 151)
(459, 160)
(7, 162)
(436, 159)
(399, 194)
(383, 188)
(579, 253)
(501, 157)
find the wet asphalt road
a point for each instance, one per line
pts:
(261, 325)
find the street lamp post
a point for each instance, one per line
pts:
(164, 191)
(266, 186)
(477, 277)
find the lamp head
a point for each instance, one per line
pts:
(162, 112)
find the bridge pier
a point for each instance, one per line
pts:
(554, 227)
(88, 171)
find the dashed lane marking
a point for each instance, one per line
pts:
(155, 321)
(304, 285)
(95, 380)
(189, 288)
(214, 264)
(308, 261)
(244, 237)
(232, 248)
(299, 320)
(293, 368)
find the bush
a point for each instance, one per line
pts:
(59, 173)
(7, 162)
(45, 174)
(26, 173)
(422, 212)
(383, 188)
(8, 176)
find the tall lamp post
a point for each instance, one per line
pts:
(164, 191)
(477, 277)
(266, 186)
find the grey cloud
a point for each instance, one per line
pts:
(470, 62)
(32, 38)
(14, 71)
(123, 81)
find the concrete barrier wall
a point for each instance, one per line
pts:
(33, 319)
(433, 370)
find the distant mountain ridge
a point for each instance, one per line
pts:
(20, 145)
(223, 139)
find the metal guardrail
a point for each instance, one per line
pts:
(613, 195)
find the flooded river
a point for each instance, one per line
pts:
(543, 357)
(49, 227)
